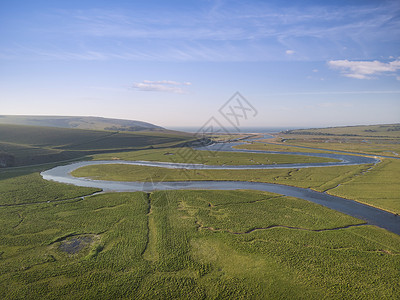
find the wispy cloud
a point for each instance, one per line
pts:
(168, 86)
(368, 92)
(365, 69)
(219, 31)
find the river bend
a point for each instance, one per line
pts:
(371, 215)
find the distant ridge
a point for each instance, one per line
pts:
(94, 123)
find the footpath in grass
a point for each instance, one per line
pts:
(196, 250)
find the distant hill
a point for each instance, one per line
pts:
(93, 123)
(381, 130)
(22, 145)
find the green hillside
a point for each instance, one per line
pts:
(27, 145)
(94, 123)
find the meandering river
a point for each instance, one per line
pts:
(371, 215)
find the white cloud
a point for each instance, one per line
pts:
(166, 82)
(290, 52)
(364, 69)
(168, 86)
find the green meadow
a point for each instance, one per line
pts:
(188, 155)
(193, 244)
(26, 186)
(60, 241)
(376, 185)
(373, 139)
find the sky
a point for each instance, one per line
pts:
(181, 63)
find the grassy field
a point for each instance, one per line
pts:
(191, 244)
(268, 146)
(377, 147)
(25, 186)
(375, 139)
(59, 242)
(386, 130)
(228, 137)
(187, 155)
(377, 185)
(29, 145)
(319, 179)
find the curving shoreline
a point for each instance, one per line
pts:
(371, 215)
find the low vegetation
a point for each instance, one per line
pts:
(320, 179)
(378, 186)
(188, 155)
(61, 241)
(374, 139)
(386, 130)
(26, 186)
(192, 244)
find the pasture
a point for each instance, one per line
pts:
(193, 244)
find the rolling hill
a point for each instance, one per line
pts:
(93, 123)
(22, 145)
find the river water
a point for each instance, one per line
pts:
(371, 215)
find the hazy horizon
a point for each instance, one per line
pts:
(230, 129)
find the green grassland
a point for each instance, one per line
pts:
(92, 123)
(59, 241)
(320, 179)
(386, 147)
(374, 139)
(228, 137)
(185, 155)
(372, 147)
(25, 186)
(193, 245)
(374, 185)
(379, 186)
(266, 145)
(387, 130)
(29, 145)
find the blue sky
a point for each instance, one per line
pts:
(175, 63)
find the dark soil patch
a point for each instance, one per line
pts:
(75, 244)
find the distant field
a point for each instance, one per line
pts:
(184, 244)
(376, 147)
(389, 130)
(379, 186)
(268, 146)
(227, 137)
(374, 139)
(30, 145)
